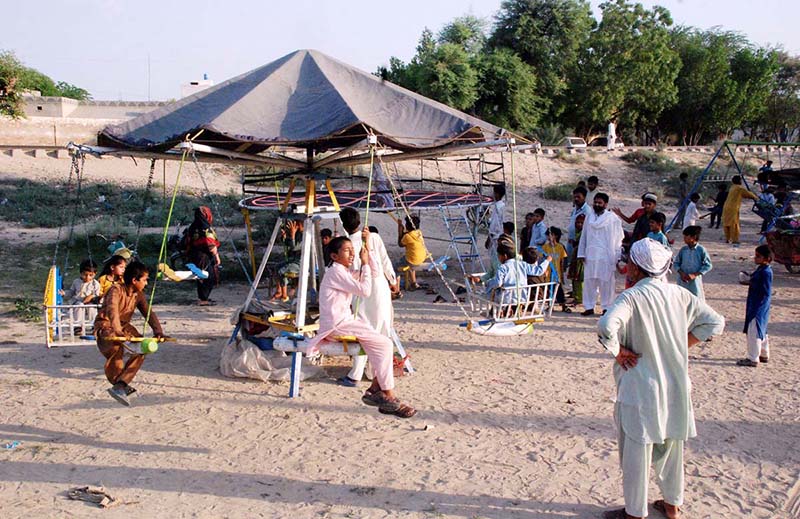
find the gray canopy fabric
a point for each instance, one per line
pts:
(307, 100)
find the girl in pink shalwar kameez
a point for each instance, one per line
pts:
(336, 293)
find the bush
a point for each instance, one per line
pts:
(27, 310)
(569, 158)
(560, 192)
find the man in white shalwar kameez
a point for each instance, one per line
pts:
(376, 309)
(649, 330)
(599, 249)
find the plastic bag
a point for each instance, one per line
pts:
(241, 358)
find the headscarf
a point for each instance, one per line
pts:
(650, 197)
(651, 256)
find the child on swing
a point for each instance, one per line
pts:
(336, 293)
(113, 323)
(112, 273)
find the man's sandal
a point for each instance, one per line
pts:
(396, 408)
(373, 398)
(661, 506)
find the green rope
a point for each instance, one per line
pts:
(162, 252)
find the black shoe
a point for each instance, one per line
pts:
(762, 359)
(586, 313)
(119, 394)
(131, 391)
(604, 312)
(747, 363)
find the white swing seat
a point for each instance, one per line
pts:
(510, 310)
(63, 329)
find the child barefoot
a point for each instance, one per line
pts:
(759, 297)
(336, 293)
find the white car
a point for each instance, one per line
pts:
(574, 142)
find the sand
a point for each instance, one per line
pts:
(507, 428)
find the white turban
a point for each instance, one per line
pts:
(651, 256)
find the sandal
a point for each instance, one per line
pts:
(375, 399)
(396, 408)
(661, 506)
(414, 286)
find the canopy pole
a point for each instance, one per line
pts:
(250, 247)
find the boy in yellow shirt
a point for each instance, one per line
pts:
(554, 249)
(411, 239)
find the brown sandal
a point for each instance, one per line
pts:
(661, 506)
(397, 408)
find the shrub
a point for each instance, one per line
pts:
(560, 192)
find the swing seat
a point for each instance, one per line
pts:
(510, 310)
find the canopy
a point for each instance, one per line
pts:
(416, 200)
(305, 100)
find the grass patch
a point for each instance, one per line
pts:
(560, 192)
(37, 204)
(27, 310)
(569, 158)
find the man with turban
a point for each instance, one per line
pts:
(599, 249)
(649, 330)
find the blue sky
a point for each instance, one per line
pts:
(103, 45)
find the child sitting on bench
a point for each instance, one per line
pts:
(336, 293)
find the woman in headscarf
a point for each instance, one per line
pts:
(202, 249)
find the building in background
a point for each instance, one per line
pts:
(194, 87)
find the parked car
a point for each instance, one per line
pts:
(573, 142)
(603, 141)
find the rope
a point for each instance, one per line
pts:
(228, 230)
(429, 256)
(72, 168)
(369, 196)
(79, 179)
(145, 200)
(162, 252)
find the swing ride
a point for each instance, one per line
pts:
(306, 118)
(782, 235)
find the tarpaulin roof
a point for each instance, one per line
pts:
(305, 99)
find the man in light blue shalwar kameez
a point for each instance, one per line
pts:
(649, 330)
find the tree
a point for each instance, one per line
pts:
(468, 32)
(32, 79)
(628, 70)
(10, 71)
(65, 89)
(783, 103)
(548, 35)
(507, 93)
(723, 82)
(441, 71)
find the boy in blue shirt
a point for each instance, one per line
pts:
(512, 272)
(692, 262)
(657, 221)
(759, 297)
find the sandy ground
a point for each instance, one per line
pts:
(507, 428)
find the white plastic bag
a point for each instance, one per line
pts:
(243, 359)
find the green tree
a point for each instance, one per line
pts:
(548, 35)
(441, 71)
(10, 71)
(628, 71)
(507, 94)
(783, 104)
(65, 89)
(723, 83)
(32, 79)
(468, 32)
